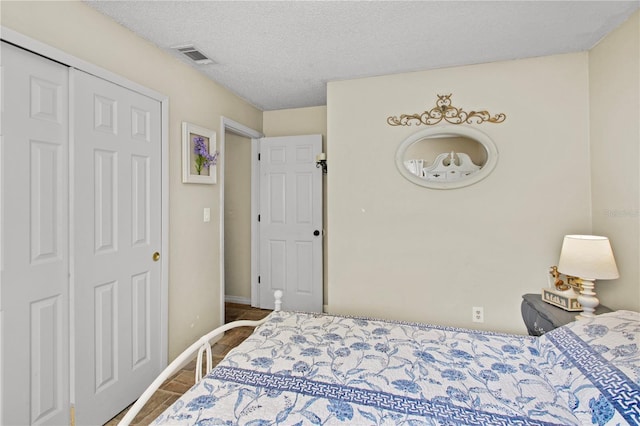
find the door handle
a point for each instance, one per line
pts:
(316, 232)
(156, 256)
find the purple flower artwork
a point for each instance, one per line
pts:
(203, 158)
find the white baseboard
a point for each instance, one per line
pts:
(237, 299)
(325, 309)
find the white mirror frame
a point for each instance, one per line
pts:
(478, 136)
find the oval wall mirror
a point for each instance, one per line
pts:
(446, 157)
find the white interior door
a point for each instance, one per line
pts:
(117, 212)
(291, 222)
(34, 292)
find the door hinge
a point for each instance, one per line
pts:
(258, 218)
(258, 279)
(258, 156)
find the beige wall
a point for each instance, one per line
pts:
(614, 85)
(398, 250)
(194, 273)
(297, 121)
(304, 121)
(237, 217)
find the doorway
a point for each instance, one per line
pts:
(291, 261)
(237, 219)
(232, 132)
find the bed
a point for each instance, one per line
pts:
(311, 369)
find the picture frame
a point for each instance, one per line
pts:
(193, 170)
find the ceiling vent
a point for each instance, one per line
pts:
(194, 54)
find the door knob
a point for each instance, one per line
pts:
(316, 232)
(156, 256)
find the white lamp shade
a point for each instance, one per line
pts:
(587, 256)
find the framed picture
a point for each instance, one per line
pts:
(199, 155)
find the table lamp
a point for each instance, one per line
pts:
(590, 258)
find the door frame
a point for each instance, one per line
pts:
(231, 126)
(50, 52)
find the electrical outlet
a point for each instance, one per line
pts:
(206, 215)
(477, 314)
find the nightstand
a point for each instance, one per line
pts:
(540, 317)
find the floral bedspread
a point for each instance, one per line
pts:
(314, 369)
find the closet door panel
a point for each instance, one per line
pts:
(34, 290)
(117, 187)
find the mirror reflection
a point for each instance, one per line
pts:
(446, 158)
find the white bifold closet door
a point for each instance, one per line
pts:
(117, 231)
(34, 289)
(80, 292)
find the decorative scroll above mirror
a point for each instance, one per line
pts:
(447, 112)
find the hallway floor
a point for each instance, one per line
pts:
(184, 379)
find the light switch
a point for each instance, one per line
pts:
(207, 214)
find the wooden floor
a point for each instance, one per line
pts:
(184, 379)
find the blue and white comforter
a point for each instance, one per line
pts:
(305, 369)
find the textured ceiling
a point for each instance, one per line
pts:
(280, 55)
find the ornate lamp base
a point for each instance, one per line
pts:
(587, 299)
